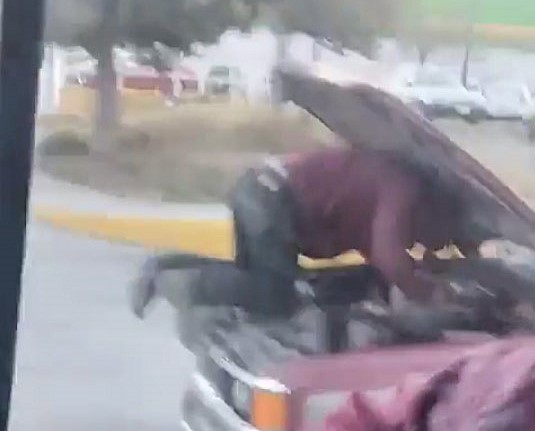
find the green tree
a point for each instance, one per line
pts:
(352, 24)
(99, 25)
(430, 23)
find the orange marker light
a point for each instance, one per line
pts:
(270, 411)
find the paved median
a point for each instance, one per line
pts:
(204, 229)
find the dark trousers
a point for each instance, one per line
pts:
(265, 215)
(262, 278)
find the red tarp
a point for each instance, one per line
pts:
(490, 388)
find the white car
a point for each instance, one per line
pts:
(225, 81)
(442, 94)
(509, 100)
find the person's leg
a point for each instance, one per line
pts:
(244, 204)
(241, 257)
(184, 268)
(218, 284)
(185, 281)
(266, 245)
(263, 281)
(261, 284)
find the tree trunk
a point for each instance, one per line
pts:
(466, 63)
(471, 14)
(107, 106)
(107, 103)
(423, 53)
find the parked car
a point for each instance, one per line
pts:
(439, 94)
(509, 101)
(225, 81)
(175, 84)
(512, 101)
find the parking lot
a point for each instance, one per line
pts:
(502, 147)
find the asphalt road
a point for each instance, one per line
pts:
(83, 361)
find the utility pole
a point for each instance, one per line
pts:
(21, 52)
(467, 51)
(107, 114)
(471, 15)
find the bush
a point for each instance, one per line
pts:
(64, 143)
(190, 153)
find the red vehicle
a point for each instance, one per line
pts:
(172, 84)
(301, 394)
(288, 376)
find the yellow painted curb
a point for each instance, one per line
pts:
(205, 237)
(200, 236)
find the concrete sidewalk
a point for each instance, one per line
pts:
(203, 229)
(52, 193)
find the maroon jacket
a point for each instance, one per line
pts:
(364, 201)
